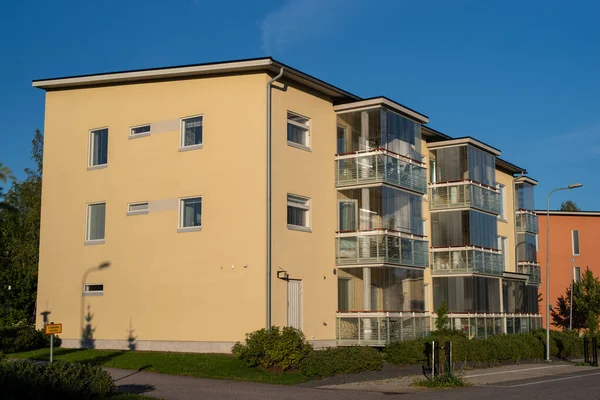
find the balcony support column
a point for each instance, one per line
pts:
(367, 302)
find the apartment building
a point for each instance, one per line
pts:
(573, 249)
(183, 207)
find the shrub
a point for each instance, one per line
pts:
(407, 352)
(341, 360)
(25, 379)
(24, 338)
(273, 348)
(568, 344)
(447, 381)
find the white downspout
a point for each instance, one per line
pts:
(269, 196)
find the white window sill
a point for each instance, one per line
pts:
(193, 147)
(93, 242)
(101, 166)
(131, 213)
(502, 220)
(299, 146)
(139, 135)
(299, 228)
(189, 229)
(93, 293)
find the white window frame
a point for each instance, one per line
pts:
(89, 241)
(180, 227)
(138, 135)
(306, 207)
(502, 188)
(503, 245)
(182, 146)
(573, 242)
(91, 149)
(138, 212)
(306, 147)
(93, 292)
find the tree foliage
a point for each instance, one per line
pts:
(569, 206)
(19, 242)
(586, 305)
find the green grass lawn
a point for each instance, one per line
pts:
(219, 366)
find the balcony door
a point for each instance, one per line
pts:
(294, 304)
(347, 215)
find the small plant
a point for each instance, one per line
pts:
(341, 360)
(273, 348)
(442, 382)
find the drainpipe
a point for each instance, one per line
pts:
(269, 196)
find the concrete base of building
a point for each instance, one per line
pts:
(150, 345)
(322, 344)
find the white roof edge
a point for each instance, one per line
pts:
(150, 74)
(464, 141)
(361, 104)
(570, 213)
(527, 180)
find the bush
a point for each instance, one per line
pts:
(568, 344)
(447, 381)
(27, 380)
(273, 348)
(341, 360)
(407, 352)
(25, 338)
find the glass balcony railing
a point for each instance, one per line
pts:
(527, 221)
(374, 247)
(466, 260)
(464, 194)
(380, 166)
(531, 269)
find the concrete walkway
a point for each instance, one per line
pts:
(170, 387)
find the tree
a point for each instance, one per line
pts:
(569, 206)
(586, 305)
(442, 321)
(5, 174)
(19, 243)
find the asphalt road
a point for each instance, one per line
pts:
(577, 385)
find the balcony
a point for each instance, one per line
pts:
(462, 194)
(466, 260)
(380, 328)
(380, 247)
(531, 269)
(527, 221)
(380, 166)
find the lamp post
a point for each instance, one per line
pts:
(571, 303)
(571, 186)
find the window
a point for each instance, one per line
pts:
(502, 214)
(98, 147)
(137, 208)
(191, 132)
(503, 246)
(298, 212)
(141, 130)
(298, 130)
(96, 221)
(93, 290)
(190, 214)
(577, 274)
(575, 240)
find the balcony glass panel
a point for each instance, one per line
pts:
(466, 261)
(464, 228)
(381, 289)
(380, 207)
(383, 168)
(466, 294)
(464, 194)
(526, 248)
(379, 329)
(527, 221)
(532, 270)
(519, 297)
(524, 195)
(462, 162)
(358, 248)
(378, 128)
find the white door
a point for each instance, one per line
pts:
(294, 304)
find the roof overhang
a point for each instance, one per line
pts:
(526, 179)
(196, 70)
(514, 275)
(462, 142)
(381, 102)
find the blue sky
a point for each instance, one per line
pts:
(520, 76)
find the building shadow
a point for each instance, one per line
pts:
(87, 332)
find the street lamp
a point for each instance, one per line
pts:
(571, 186)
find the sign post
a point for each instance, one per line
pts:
(52, 329)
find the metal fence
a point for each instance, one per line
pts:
(464, 194)
(461, 261)
(485, 325)
(379, 328)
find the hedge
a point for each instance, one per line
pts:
(341, 360)
(28, 380)
(24, 338)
